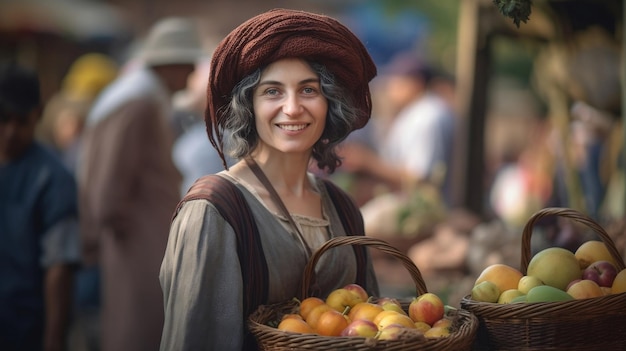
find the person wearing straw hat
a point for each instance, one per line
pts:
(128, 183)
(287, 87)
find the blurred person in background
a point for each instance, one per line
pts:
(65, 112)
(129, 185)
(62, 124)
(414, 155)
(193, 154)
(39, 244)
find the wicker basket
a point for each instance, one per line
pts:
(589, 324)
(269, 338)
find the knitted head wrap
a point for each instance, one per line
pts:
(283, 33)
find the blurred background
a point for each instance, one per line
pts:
(538, 107)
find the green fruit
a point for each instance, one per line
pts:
(508, 295)
(554, 266)
(521, 298)
(485, 291)
(547, 293)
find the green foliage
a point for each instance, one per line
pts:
(518, 10)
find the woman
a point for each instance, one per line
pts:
(287, 86)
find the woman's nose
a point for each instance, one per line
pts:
(292, 105)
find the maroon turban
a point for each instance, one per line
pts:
(282, 33)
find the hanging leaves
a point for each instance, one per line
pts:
(518, 10)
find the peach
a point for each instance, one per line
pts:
(619, 283)
(503, 276)
(592, 251)
(584, 289)
(427, 308)
(360, 327)
(365, 310)
(341, 298)
(437, 332)
(332, 323)
(295, 325)
(358, 291)
(397, 318)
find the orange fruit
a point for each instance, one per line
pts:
(365, 310)
(384, 314)
(308, 304)
(295, 325)
(291, 315)
(398, 318)
(503, 276)
(313, 317)
(331, 323)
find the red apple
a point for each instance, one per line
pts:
(601, 272)
(358, 291)
(360, 327)
(427, 308)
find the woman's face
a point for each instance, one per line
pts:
(289, 108)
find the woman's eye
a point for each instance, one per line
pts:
(271, 91)
(308, 90)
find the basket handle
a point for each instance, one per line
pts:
(571, 214)
(309, 269)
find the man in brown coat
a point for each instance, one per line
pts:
(129, 185)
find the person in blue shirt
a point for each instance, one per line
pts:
(39, 247)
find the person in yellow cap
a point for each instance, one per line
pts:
(65, 112)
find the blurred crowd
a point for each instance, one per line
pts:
(132, 138)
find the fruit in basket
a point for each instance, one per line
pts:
(295, 325)
(332, 323)
(485, 291)
(308, 304)
(365, 310)
(384, 314)
(528, 282)
(341, 298)
(358, 291)
(508, 295)
(391, 304)
(547, 293)
(555, 266)
(422, 326)
(437, 332)
(591, 251)
(396, 318)
(584, 289)
(391, 332)
(291, 315)
(427, 308)
(619, 283)
(521, 298)
(601, 272)
(443, 322)
(313, 317)
(360, 327)
(503, 276)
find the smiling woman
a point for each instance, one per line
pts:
(286, 87)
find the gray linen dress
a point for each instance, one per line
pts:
(201, 279)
